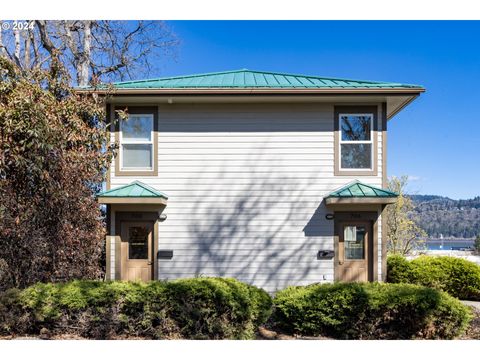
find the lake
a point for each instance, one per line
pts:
(449, 244)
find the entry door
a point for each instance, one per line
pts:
(137, 251)
(354, 240)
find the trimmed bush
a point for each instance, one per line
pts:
(200, 308)
(370, 311)
(458, 277)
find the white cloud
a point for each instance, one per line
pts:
(414, 178)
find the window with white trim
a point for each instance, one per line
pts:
(136, 142)
(356, 141)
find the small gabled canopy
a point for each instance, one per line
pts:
(360, 193)
(133, 193)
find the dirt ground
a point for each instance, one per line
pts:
(473, 332)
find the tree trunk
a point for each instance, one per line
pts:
(16, 32)
(83, 65)
(2, 49)
(28, 42)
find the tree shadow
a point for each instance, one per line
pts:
(256, 235)
(261, 219)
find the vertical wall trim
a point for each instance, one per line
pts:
(384, 243)
(384, 185)
(110, 118)
(384, 145)
(374, 252)
(108, 246)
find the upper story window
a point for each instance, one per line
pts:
(356, 141)
(137, 138)
(136, 142)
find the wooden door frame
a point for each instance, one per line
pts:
(358, 216)
(125, 247)
(135, 216)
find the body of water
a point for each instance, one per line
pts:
(449, 244)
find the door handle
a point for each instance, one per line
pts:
(150, 263)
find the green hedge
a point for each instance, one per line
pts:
(200, 308)
(370, 311)
(458, 277)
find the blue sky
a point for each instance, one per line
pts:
(436, 140)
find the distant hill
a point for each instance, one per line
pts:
(442, 216)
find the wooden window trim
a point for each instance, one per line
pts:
(355, 110)
(138, 110)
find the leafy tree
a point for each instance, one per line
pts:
(404, 234)
(53, 159)
(476, 245)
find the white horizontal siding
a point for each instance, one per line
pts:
(245, 186)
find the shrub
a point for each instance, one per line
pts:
(53, 160)
(370, 311)
(458, 277)
(200, 308)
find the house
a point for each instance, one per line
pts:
(274, 179)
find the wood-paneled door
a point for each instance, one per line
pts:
(137, 251)
(354, 251)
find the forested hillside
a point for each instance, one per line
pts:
(439, 215)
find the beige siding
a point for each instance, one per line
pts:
(245, 186)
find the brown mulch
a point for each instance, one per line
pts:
(266, 334)
(473, 331)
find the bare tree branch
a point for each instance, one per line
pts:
(46, 42)
(102, 50)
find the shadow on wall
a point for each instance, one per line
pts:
(256, 232)
(312, 228)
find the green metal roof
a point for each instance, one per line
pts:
(359, 190)
(256, 79)
(135, 189)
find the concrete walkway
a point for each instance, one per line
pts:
(475, 304)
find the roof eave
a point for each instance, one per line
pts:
(253, 91)
(131, 200)
(360, 200)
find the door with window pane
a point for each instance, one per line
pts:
(136, 249)
(354, 241)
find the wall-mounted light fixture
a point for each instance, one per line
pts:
(162, 217)
(329, 216)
